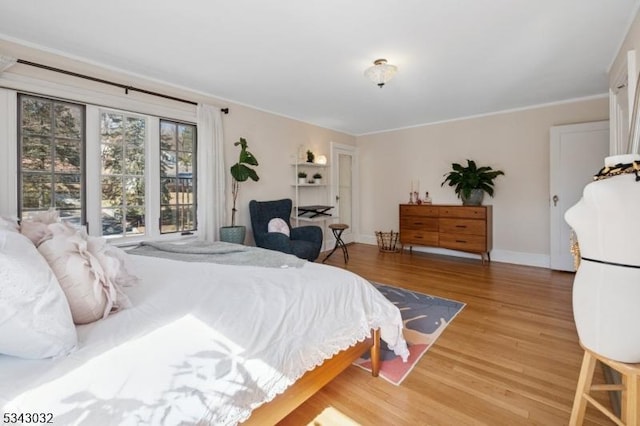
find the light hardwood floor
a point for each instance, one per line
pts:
(511, 357)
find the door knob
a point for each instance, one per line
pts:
(555, 200)
(337, 198)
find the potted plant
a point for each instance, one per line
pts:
(240, 172)
(317, 178)
(310, 156)
(471, 182)
(302, 178)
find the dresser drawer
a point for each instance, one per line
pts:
(417, 222)
(463, 242)
(454, 227)
(464, 212)
(463, 226)
(423, 238)
(419, 210)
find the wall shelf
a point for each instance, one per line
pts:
(305, 196)
(310, 165)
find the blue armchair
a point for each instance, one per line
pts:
(304, 241)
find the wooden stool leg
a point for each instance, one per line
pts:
(343, 246)
(630, 398)
(584, 386)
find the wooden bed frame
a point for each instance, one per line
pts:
(274, 411)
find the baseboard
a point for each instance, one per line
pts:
(497, 255)
(520, 258)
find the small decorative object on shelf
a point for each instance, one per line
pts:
(417, 197)
(427, 199)
(414, 198)
(310, 156)
(388, 241)
(317, 178)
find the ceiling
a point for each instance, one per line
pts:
(305, 59)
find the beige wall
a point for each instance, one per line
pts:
(274, 140)
(515, 142)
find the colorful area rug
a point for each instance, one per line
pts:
(425, 318)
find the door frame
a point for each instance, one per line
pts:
(618, 117)
(556, 216)
(352, 234)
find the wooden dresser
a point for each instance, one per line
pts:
(455, 227)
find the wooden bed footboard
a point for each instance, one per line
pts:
(274, 411)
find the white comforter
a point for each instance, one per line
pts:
(203, 343)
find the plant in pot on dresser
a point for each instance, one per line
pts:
(471, 182)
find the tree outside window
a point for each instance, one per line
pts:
(51, 141)
(177, 172)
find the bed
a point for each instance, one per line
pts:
(207, 343)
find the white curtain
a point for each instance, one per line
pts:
(211, 173)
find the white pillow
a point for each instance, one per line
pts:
(35, 320)
(9, 224)
(278, 225)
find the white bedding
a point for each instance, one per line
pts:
(205, 343)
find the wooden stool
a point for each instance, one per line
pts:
(629, 387)
(338, 229)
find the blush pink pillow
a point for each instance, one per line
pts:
(80, 275)
(278, 225)
(37, 232)
(36, 226)
(90, 271)
(117, 271)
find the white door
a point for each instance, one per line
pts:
(343, 160)
(577, 153)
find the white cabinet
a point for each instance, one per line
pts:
(311, 194)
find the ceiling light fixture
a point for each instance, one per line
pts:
(381, 72)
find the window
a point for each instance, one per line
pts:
(132, 175)
(177, 184)
(122, 177)
(51, 141)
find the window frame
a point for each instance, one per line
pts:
(152, 177)
(91, 170)
(194, 172)
(19, 145)
(92, 97)
(145, 176)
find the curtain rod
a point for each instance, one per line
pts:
(111, 83)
